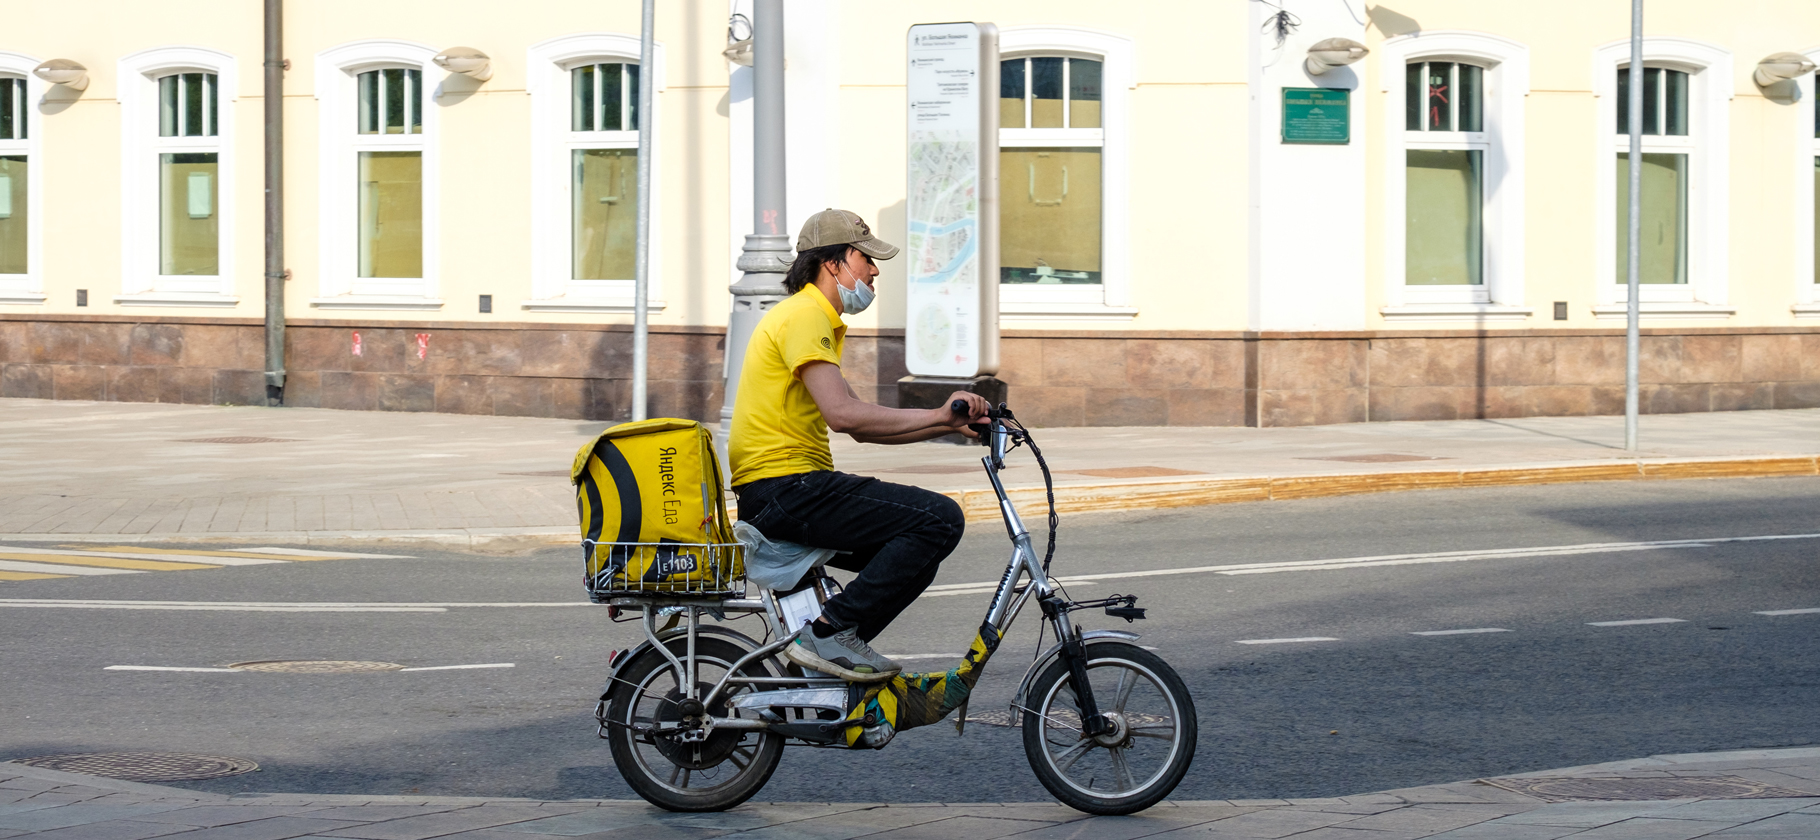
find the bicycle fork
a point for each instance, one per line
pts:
(1074, 653)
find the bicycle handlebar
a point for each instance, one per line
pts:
(981, 429)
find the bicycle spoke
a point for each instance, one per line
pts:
(1117, 755)
(1163, 731)
(739, 752)
(675, 771)
(685, 780)
(1122, 691)
(1072, 754)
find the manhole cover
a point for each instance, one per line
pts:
(1566, 789)
(145, 766)
(1381, 458)
(237, 440)
(315, 666)
(1066, 717)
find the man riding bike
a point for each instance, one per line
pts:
(791, 393)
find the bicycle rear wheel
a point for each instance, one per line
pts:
(1141, 760)
(713, 774)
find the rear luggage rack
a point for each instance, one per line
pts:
(662, 569)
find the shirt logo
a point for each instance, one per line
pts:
(826, 344)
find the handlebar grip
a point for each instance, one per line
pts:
(958, 407)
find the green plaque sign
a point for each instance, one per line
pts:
(1317, 115)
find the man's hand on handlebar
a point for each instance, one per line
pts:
(966, 409)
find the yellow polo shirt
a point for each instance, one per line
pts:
(777, 428)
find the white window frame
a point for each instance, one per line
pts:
(1807, 292)
(141, 284)
(1708, 147)
(337, 75)
(27, 289)
(553, 287)
(1118, 77)
(1504, 97)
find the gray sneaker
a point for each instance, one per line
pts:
(842, 654)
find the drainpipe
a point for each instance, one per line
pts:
(275, 65)
(765, 258)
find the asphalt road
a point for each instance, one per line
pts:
(1374, 707)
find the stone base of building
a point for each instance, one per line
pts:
(1056, 378)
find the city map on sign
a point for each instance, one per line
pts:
(943, 201)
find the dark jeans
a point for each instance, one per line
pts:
(897, 537)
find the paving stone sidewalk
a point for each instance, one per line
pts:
(149, 472)
(41, 803)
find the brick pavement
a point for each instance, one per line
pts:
(41, 803)
(135, 471)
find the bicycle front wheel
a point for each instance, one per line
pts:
(1140, 761)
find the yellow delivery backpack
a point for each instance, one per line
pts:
(653, 517)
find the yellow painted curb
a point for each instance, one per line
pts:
(982, 505)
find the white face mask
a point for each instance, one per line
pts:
(856, 299)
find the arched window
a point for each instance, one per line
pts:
(378, 161)
(1453, 177)
(1064, 185)
(584, 187)
(177, 194)
(1687, 92)
(19, 283)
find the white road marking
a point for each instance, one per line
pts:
(161, 668)
(1287, 641)
(459, 667)
(987, 588)
(50, 569)
(1343, 563)
(304, 552)
(1637, 621)
(1459, 632)
(1807, 611)
(274, 606)
(209, 559)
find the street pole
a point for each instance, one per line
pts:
(641, 292)
(766, 255)
(1632, 343)
(274, 202)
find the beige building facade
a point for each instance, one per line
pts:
(461, 245)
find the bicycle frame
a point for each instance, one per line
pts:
(1008, 601)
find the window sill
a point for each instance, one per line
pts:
(186, 299)
(377, 302)
(599, 305)
(21, 299)
(1806, 310)
(1656, 310)
(1456, 312)
(1056, 311)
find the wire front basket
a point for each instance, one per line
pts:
(618, 570)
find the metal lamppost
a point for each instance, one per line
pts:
(1631, 341)
(766, 255)
(641, 283)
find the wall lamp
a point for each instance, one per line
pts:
(466, 61)
(1781, 67)
(739, 47)
(1331, 53)
(62, 71)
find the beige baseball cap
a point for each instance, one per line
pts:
(839, 227)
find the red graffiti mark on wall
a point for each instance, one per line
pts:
(423, 345)
(356, 344)
(771, 220)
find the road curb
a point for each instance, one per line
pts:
(981, 505)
